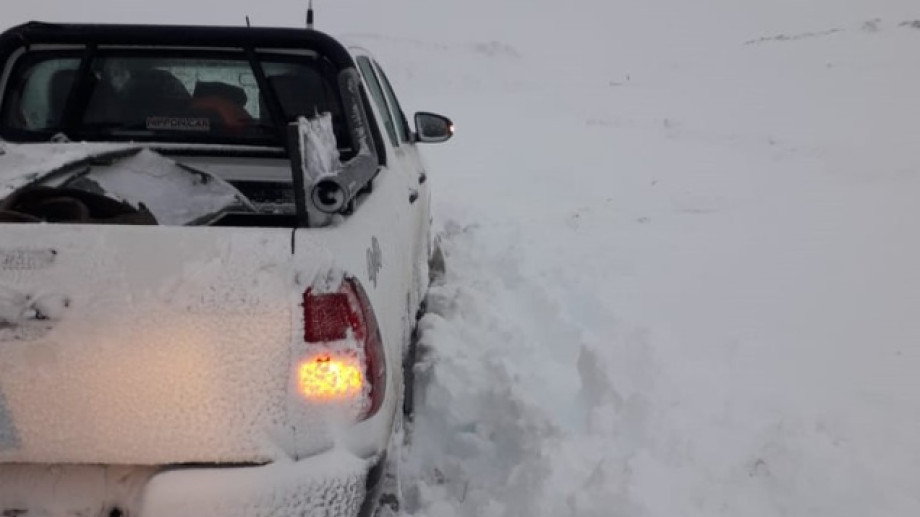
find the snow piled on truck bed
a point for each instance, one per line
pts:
(683, 279)
(21, 165)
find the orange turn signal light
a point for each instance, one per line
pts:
(329, 378)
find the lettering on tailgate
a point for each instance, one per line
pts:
(16, 259)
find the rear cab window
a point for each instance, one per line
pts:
(35, 102)
(166, 96)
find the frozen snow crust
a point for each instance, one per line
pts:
(154, 345)
(332, 484)
(21, 165)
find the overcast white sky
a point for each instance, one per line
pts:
(522, 21)
(152, 11)
(333, 15)
(422, 19)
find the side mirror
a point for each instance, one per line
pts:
(432, 128)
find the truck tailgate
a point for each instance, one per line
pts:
(144, 345)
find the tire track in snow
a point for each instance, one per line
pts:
(517, 413)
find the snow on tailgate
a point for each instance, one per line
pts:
(152, 187)
(143, 346)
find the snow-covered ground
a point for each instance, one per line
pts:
(683, 264)
(683, 271)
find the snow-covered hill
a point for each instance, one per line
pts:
(684, 271)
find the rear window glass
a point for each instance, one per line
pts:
(377, 94)
(37, 98)
(164, 97)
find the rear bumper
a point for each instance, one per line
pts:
(330, 484)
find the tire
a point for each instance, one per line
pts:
(384, 487)
(409, 362)
(374, 486)
(384, 496)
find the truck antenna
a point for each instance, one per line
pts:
(310, 15)
(249, 25)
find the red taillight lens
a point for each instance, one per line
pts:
(330, 317)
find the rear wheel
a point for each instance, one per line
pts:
(389, 499)
(409, 362)
(384, 483)
(375, 495)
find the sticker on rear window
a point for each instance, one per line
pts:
(178, 124)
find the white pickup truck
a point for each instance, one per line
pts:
(214, 244)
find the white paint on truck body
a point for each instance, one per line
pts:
(179, 344)
(174, 345)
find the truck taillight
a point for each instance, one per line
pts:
(331, 374)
